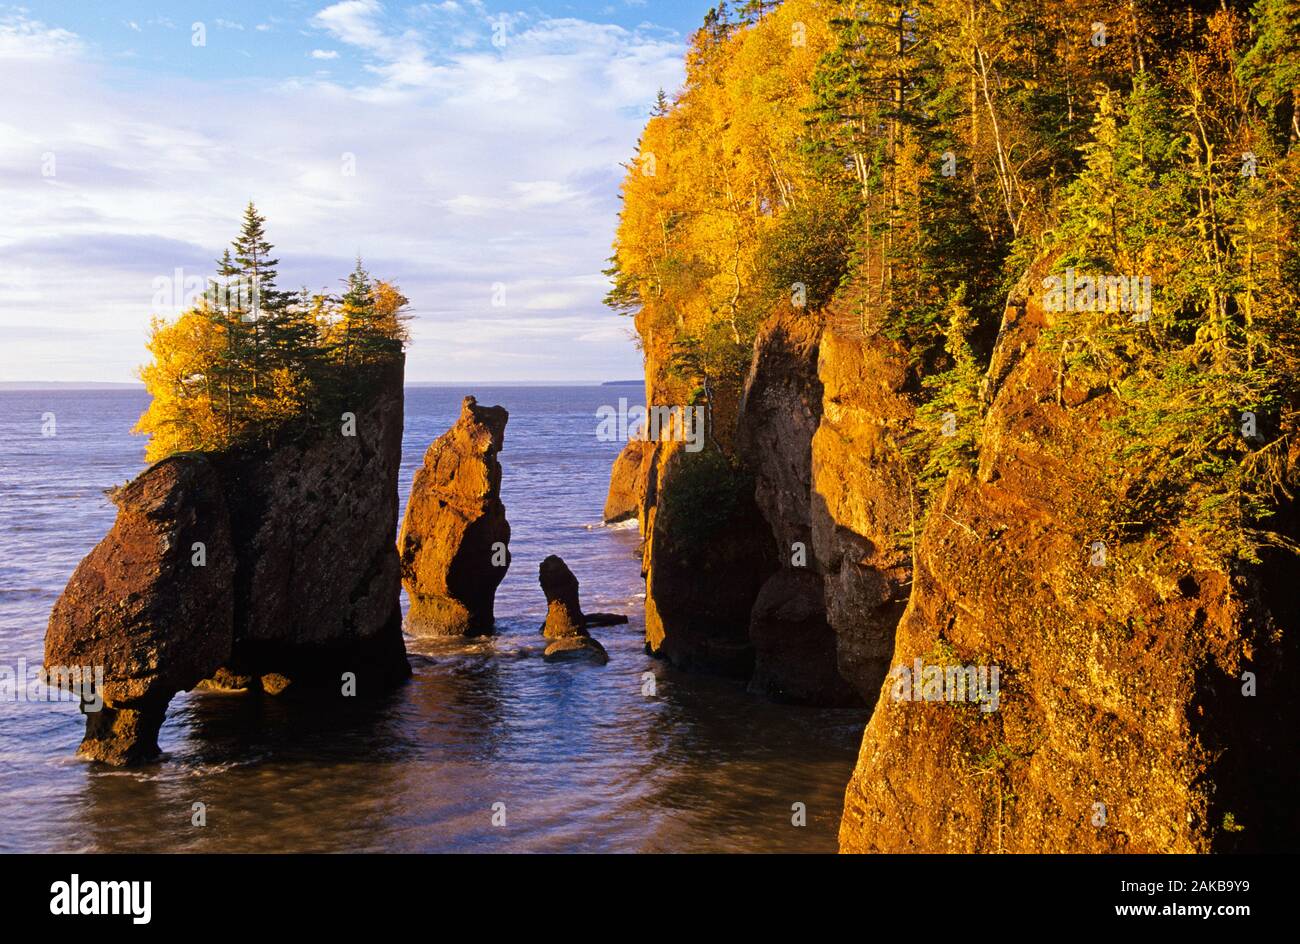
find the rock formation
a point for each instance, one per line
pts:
(863, 505)
(628, 479)
(1121, 722)
(243, 565)
(565, 624)
(563, 608)
(454, 544)
(706, 554)
(794, 647)
(139, 607)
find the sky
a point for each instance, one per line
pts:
(468, 150)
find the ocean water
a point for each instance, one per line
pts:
(577, 756)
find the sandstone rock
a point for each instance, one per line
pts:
(226, 681)
(318, 590)
(273, 683)
(455, 537)
(298, 574)
(603, 619)
(139, 607)
(707, 553)
(779, 413)
(1120, 723)
(627, 481)
(863, 502)
(794, 647)
(576, 649)
(563, 608)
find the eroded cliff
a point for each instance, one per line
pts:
(1139, 704)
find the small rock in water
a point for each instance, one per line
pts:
(576, 649)
(563, 609)
(273, 683)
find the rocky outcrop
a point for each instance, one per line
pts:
(779, 413)
(795, 656)
(706, 554)
(628, 479)
(1123, 719)
(576, 649)
(243, 565)
(454, 544)
(863, 504)
(565, 624)
(563, 607)
(143, 605)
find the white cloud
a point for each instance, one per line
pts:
(324, 54)
(23, 38)
(473, 166)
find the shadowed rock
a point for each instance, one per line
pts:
(795, 657)
(234, 568)
(563, 608)
(454, 541)
(140, 607)
(576, 649)
(565, 623)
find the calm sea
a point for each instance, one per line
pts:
(580, 758)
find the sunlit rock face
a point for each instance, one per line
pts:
(863, 501)
(454, 545)
(628, 480)
(1121, 720)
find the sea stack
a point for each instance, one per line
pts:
(274, 566)
(454, 545)
(565, 625)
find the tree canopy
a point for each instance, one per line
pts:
(250, 361)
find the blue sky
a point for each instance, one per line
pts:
(468, 150)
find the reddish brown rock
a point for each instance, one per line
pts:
(1122, 723)
(299, 575)
(864, 504)
(779, 413)
(627, 481)
(795, 655)
(563, 608)
(455, 537)
(318, 589)
(140, 607)
(576, 649)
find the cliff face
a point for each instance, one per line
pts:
(279, 562)
(794, 646)
(318, 589)
(455, 536)
(1121, 720)
(863, 506)
(706, 554)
